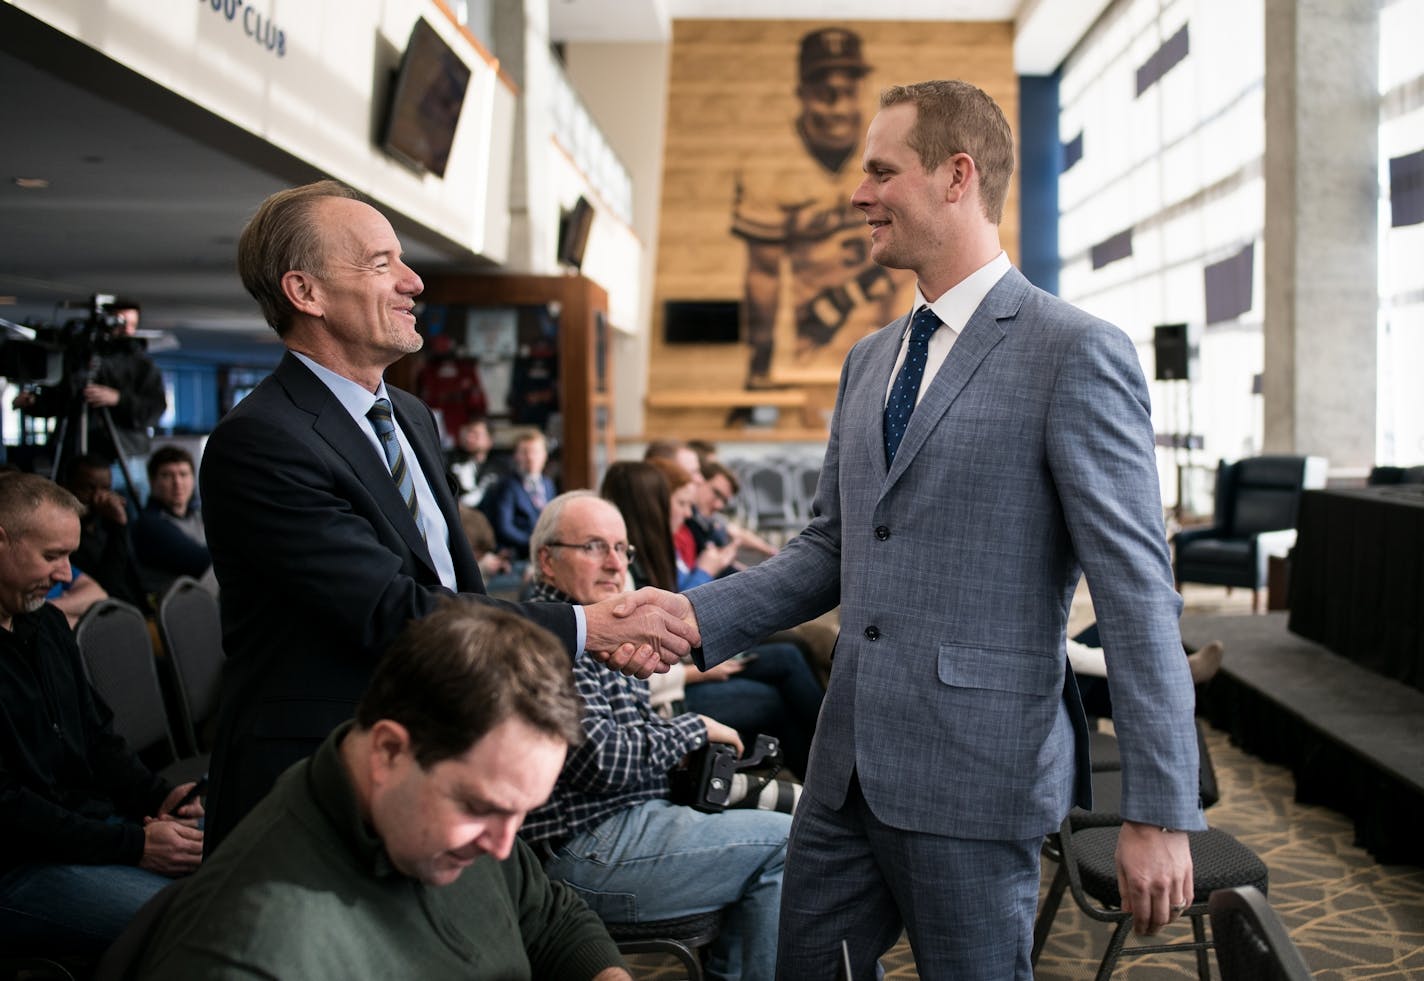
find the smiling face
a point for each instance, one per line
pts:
(830, 109)
(365, 295)
(587, 577)
(903, 204)
(436, 822)
(34, 560)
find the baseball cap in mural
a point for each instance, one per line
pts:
(828, 48)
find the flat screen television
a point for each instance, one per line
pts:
(426, 98)
(702, 322)
(574, 226)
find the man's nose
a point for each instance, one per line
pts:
(862, 198)
(498, 838)
(411, 283)
(62, 571)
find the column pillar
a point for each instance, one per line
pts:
(1321, 247)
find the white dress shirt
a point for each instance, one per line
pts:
(954, 308)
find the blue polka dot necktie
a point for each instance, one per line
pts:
(385, 427)
(907, 383)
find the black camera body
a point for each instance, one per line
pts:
(704, 780)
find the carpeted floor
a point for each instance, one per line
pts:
(1351, 918)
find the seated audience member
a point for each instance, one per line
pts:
(104, 551)
(514, 502)
(708, 522)
(772, 689)
(481, 538)
(1085, 657)
(73, 598)
(87, 832)
(391, 852)
(609, 829)
(672, 451)
(169, 538)
(470, 461)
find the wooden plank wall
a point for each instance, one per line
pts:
(732, 109)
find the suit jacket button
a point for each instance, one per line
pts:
(882, 533)
(872, 633)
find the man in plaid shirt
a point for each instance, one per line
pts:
(609, 830)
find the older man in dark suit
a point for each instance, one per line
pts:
(329, 519)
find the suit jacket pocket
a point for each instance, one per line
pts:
(1000, 669)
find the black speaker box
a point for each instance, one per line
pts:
(1169, 344)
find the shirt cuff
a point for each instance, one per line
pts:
(580, 630)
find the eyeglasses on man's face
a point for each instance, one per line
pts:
(599, 549)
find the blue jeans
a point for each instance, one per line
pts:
(657, 860)
(776, 693)
(79, 908)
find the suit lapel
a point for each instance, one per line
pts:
(980, 335)
(884, 348)
(334, 424)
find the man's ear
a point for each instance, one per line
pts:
(546, 564)
(303, 291)
(390, 749)
(961, 177)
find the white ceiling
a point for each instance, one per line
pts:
(148, 193)
(1045, 30)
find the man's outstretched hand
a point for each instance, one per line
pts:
(641, 633)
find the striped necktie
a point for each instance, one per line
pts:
(385, 427)
(906, 390)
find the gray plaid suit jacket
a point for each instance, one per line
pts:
(1028, 461)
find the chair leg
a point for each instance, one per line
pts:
(1044, 923)
(1199, 935)
(1115, 944)
(1255, 601)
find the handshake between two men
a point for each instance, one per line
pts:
(662, 625)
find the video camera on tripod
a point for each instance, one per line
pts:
(68, 358)
(37, 354)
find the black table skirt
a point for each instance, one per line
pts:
(1357, 577)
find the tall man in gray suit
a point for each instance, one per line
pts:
(981, 456)
(329, 518)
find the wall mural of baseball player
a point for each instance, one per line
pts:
(765, 130)
(793, 211)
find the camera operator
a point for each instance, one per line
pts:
(107, 368)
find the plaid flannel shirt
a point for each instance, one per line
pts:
(625, 757)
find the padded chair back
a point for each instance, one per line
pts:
(1251, 942)
(191, 630)
(1266, 494)
(117, 651)
(772, 506)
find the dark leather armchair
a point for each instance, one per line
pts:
(1256, 503)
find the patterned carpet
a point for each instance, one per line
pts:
(1351, 918)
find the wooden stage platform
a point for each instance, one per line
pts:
(1353, 739)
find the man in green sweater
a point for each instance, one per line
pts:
(391, 852)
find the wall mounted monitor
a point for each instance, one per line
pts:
(426, 98)
(702, 322)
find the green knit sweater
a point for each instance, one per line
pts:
(304, 890)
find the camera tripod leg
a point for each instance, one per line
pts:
(120, 456)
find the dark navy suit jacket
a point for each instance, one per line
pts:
(320, 566)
